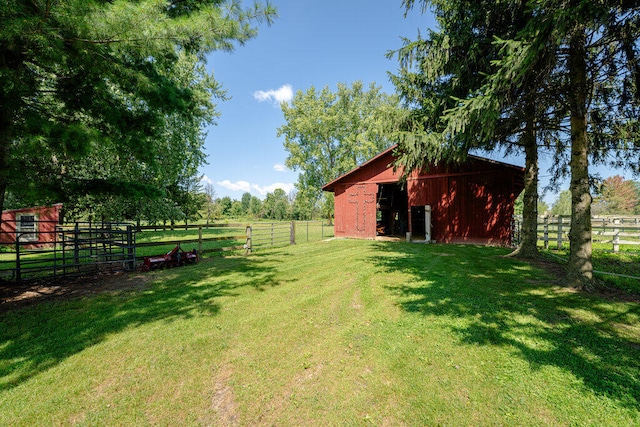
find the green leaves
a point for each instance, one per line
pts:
(329, 133)
(121, 83)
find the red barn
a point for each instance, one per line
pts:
(469, 202)
(37, 224)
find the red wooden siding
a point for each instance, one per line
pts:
(46, 217)
(472, 202)
(355, 210)
(474, 208)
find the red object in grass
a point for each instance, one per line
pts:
(176, 257)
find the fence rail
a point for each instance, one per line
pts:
(58, 250)
(607, 231)
(165, 227)
(270, 234)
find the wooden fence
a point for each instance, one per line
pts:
(608, 232)
(255, 236)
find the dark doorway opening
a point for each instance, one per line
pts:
(391, 210)
(418, 229)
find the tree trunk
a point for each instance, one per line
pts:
(580, 269)
(11, 102)
(528, 247)
(5, 144)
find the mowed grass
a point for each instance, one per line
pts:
(614, 270)
(341, 332)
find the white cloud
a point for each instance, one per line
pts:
(287, 187)
(283, 94)
(279, 168)
(246, 187)
(235, 186)
(206, 180)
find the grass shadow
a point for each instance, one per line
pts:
(40, 336)
(507, 302)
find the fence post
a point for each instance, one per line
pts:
(546, 232)
(55, 250)
(76, 246)
(616, 236)
(63, 249)
(272, 225)
(247, 246)
(18, 272)
(131, 255)
(199, 240)
(560, 220)
(292, 234)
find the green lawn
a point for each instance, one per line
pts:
(615, 270)
(342, 332)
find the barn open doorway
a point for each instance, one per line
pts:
(421, 223)
(391, 215)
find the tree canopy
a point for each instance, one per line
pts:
(110, 97)
(617, 196)
(329, 133)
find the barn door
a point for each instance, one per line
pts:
(362, 211)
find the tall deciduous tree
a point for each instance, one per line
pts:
(329, 133)
(276, 205)
(562, 204)
(255, 207)
(246, 202)
(79, 75)
(617, 196)
(210, 196)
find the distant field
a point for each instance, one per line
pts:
(340, 332)
(234, 234)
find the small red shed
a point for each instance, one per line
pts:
(468, 202)
(36, 224)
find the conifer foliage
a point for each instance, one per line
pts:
(559, 73)
(100, 96)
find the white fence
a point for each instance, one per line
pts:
(607, 231)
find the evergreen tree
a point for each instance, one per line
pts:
(458, 105)
(584, 55)
(79, 76)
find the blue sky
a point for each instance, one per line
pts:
(311, 43)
